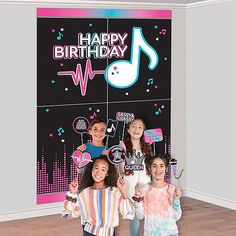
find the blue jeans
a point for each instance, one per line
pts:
(134, 226)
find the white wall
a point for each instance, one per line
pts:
(210, 103)
(18, 113)
(178, 94)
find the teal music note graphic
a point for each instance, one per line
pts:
(59, 36)
(123, 73)
(150, 81)
(60, 131)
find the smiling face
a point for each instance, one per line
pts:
(158, 169)
(97, 132)
(136, 129)
(100, 171)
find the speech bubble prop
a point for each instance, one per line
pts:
(124, 116)
(80, 125)
(153, 135)
(81, 159)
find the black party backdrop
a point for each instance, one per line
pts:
(97, 63)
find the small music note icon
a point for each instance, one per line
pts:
(150, 81)
(159, 111)
(59, 36)
(93, 116)
(163, 31)
(131, 67)
(111, 127)
(109, 130)
(60, 131)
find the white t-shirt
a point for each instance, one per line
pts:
(140, 177)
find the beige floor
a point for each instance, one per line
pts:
(198, 219)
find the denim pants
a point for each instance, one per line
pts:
(134, 226)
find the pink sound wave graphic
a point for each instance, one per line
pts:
(78, 77)
(60, 175)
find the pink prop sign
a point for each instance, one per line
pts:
(153, 135)
(124, 116)
(81, 159)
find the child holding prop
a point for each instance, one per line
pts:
(97, 129)
(158, 202)
(100, 202)
(134, 140)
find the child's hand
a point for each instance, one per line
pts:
(73, 186)
(122, 186)
(81, 148)
(138, 190)
(105, 152)
(177, 193)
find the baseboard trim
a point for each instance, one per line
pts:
(210, 199)
(19, 215)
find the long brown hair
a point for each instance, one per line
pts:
(145, 148)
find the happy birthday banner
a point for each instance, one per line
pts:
(112, 64)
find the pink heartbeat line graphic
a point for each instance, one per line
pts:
(78, 77)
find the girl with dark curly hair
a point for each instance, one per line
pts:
(100, 201)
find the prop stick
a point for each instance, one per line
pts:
(173, 165)
(111, 129)
(123, 131)
(139, 176)
(80, 126)
(80, 160)
(106, 142)
(116, 156)
(151, 136)
(154, 149)
(124, 117)
(118, 167)
(81, 136)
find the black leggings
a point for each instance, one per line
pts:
(87, 233)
